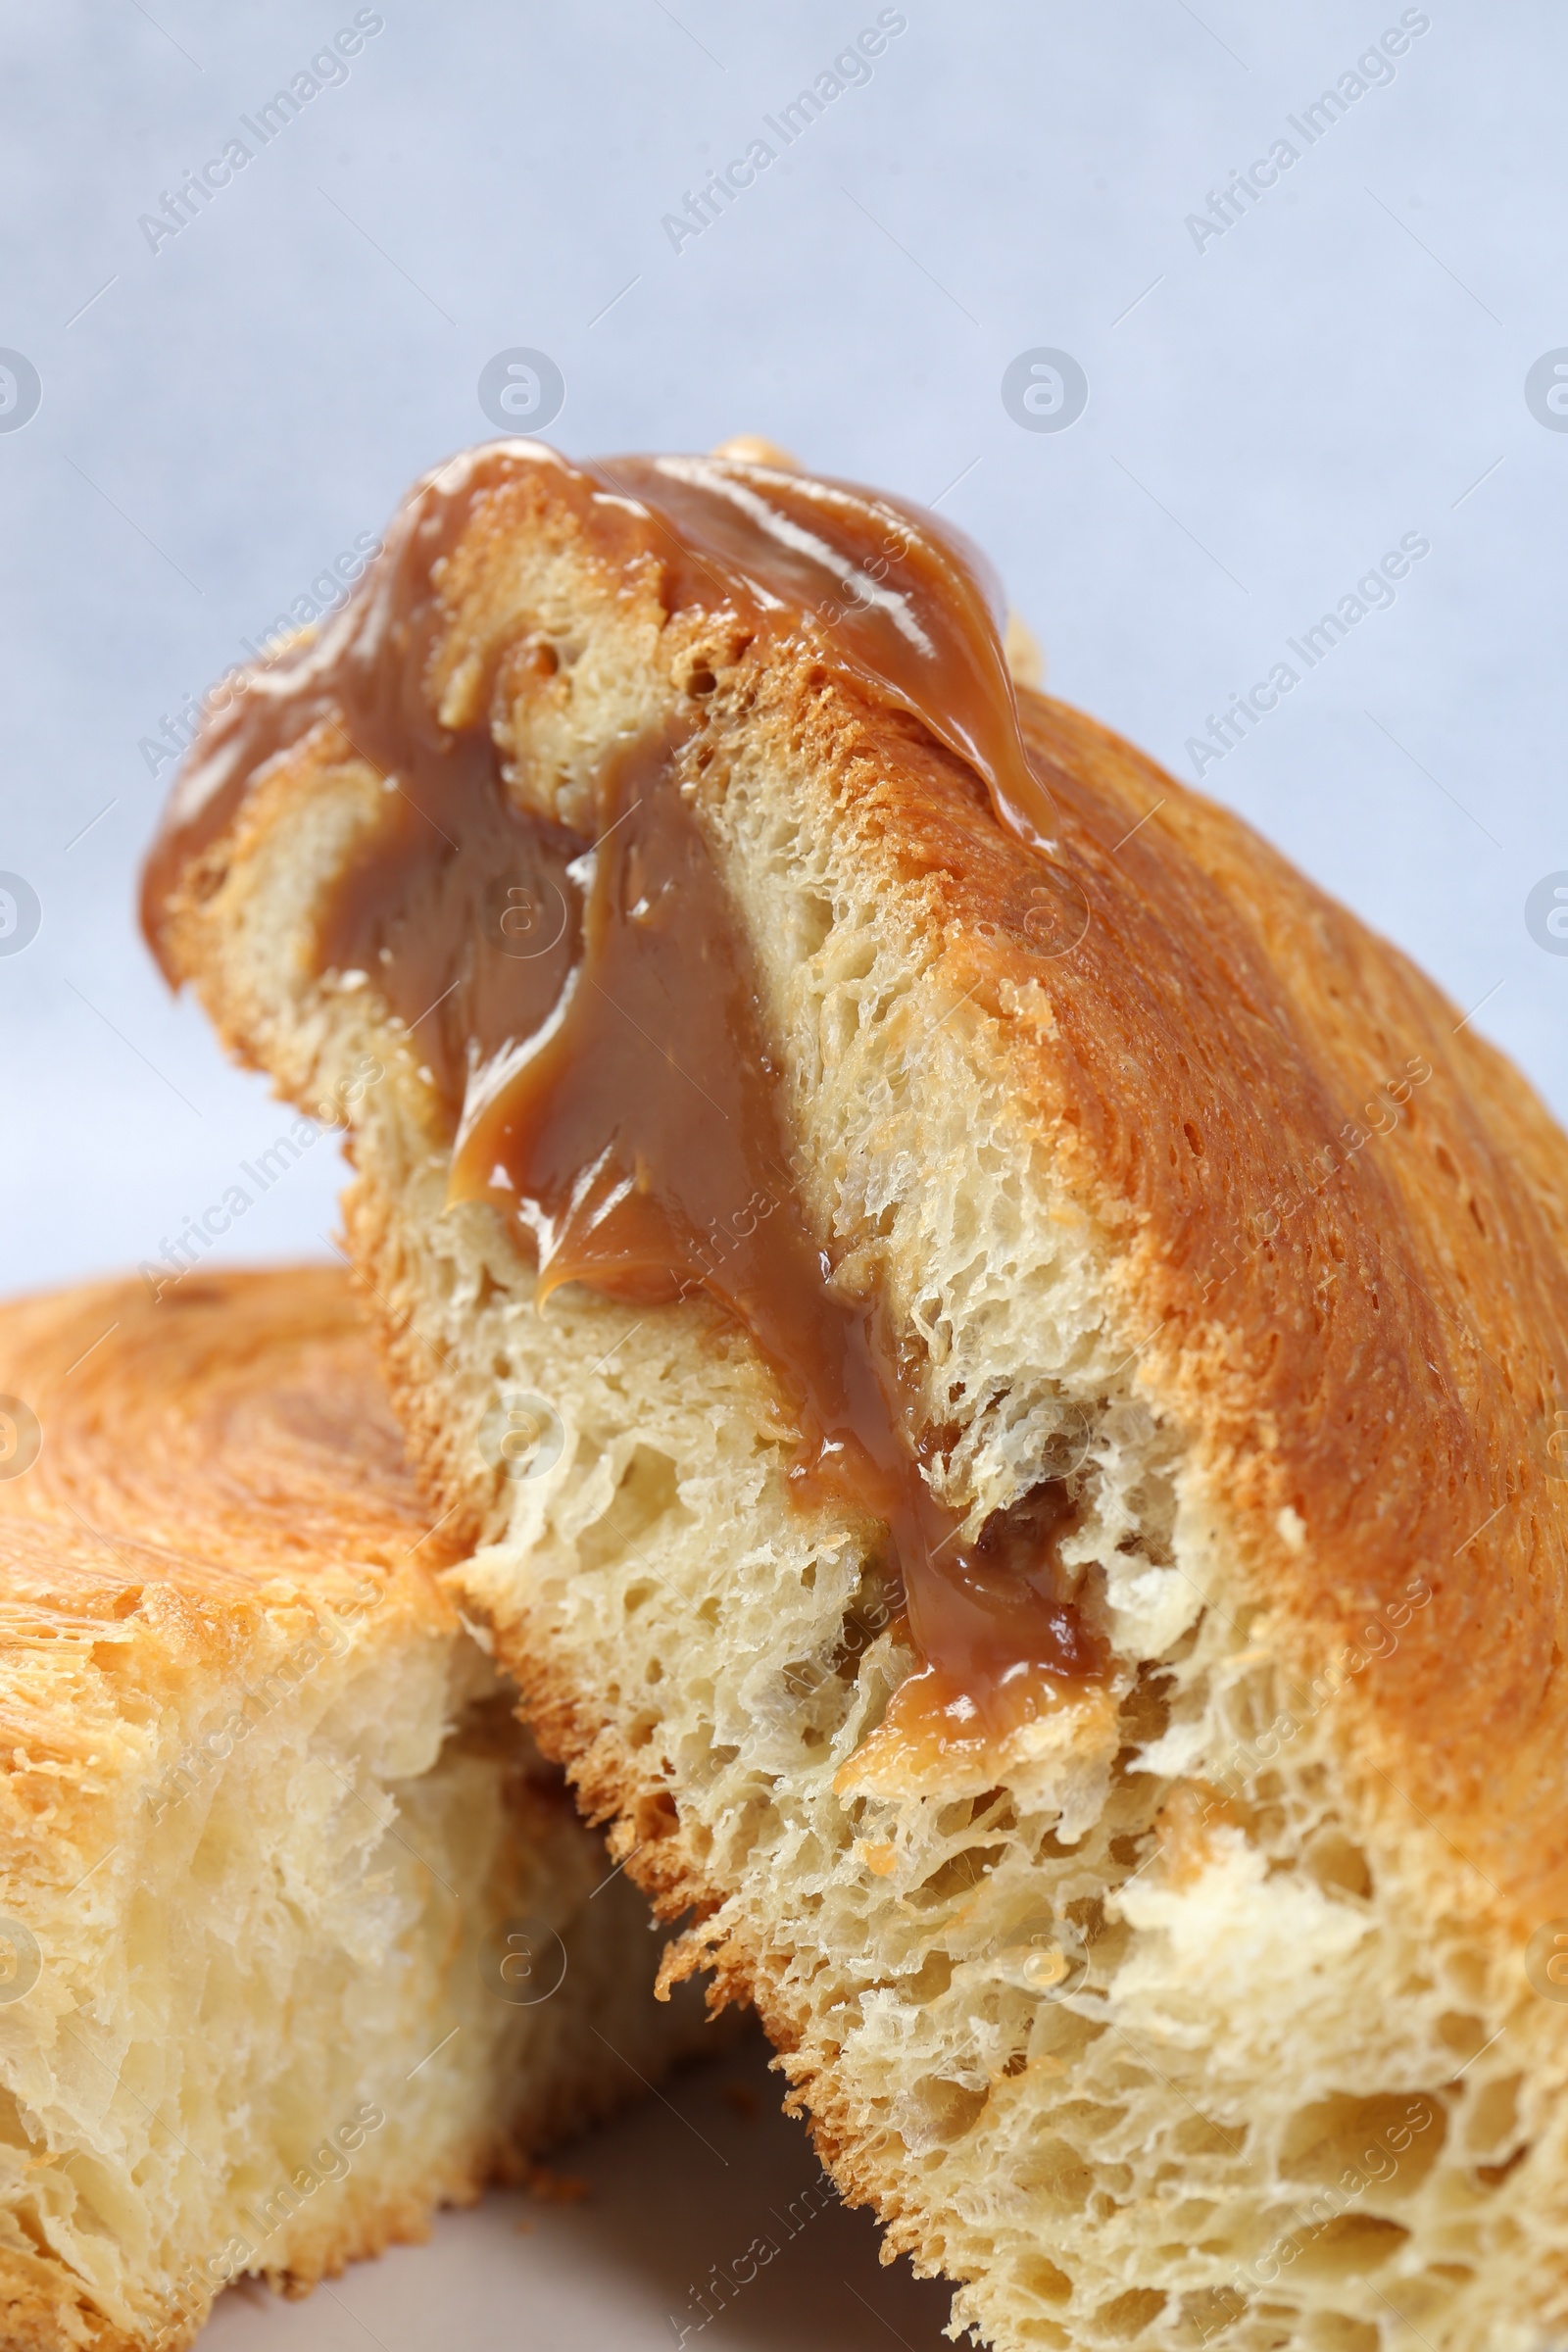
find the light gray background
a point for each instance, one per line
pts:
(1265, 418)
(1339, 368)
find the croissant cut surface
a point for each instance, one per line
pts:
(266, 1822)
(1211, 2003)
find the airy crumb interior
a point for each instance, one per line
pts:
(268, 2036)
(1125, 2033)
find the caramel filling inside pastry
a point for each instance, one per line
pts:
(587, 1007)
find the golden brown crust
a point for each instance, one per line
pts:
(1363, 1332)
(208, 1463)
(1366, 1330)
(41, 2312)
(228, 1434)
(1336, 1221)
(220, 1475)
(205, 1462)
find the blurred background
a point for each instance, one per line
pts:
(1190, 317)
(213, 388)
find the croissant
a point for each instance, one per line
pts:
(1007, 1363)
(296, 1936)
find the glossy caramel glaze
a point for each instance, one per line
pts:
(1337, 1217)
(587, 1007)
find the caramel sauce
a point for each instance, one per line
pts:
(587, 1009)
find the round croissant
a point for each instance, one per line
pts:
(295, 1939)
(1197, 1972)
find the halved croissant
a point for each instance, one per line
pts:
(1184, 1291)
(295, 1923)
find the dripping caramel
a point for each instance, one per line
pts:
(587, 1007)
